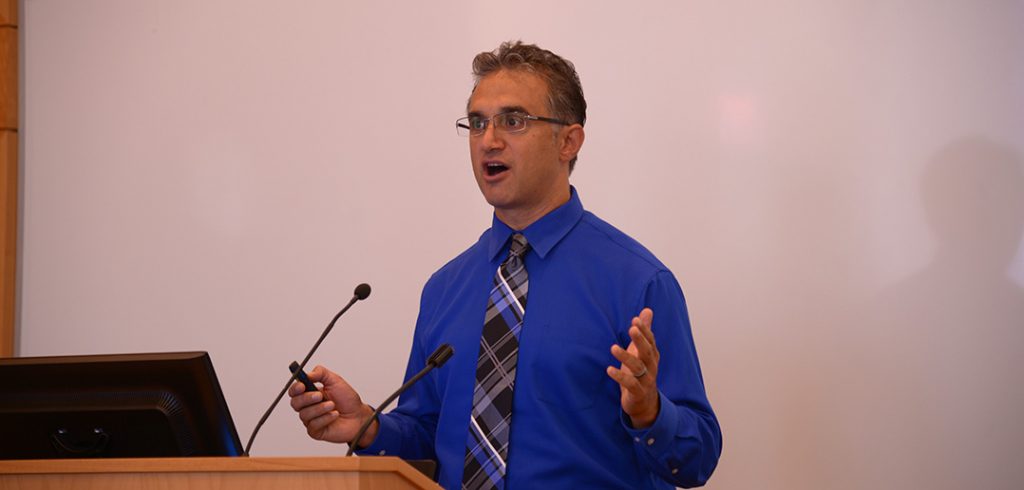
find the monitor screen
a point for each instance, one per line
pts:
(124, 405)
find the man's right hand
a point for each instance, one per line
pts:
(334, 413)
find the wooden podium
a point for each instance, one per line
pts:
(376, 473)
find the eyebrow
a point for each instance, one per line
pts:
(503, 110)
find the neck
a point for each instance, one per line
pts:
(519, 219)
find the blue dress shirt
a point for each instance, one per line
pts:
(587, 281)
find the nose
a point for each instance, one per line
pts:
(491, 139)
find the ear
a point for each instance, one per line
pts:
(572, 141)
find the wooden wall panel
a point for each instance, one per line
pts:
(8, 66)
(9, 242)
(8, 12)
(8, 171)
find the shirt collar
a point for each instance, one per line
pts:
(542, 234)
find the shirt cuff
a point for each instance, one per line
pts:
(657, 439)
(388, 441)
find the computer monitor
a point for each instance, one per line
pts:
(124, 405)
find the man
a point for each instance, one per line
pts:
(540, 393)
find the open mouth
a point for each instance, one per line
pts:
(495, 169)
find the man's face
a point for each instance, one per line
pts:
(523, 175)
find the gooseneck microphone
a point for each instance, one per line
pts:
(362, 292)
(436, 360)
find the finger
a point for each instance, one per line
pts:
(296, 389)
(317, 426)
(303, 400)
(647, 316)
(329, 380)
(312, 412)
(644, 349)
(627, 381)
(318, 374)
(644, 321)
(629, 361)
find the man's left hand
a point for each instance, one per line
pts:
(637, 376)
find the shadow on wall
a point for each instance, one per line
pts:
(939, 401)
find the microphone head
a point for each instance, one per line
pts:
(441, 355)
(362, 291)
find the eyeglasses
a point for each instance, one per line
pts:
(509, 122)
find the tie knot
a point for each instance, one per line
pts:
(519, 246)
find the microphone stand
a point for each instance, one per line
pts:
(362, 292)
(436, 360)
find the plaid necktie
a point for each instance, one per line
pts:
(487, 445)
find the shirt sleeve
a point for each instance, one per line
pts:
(683, 445)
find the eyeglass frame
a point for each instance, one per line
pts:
(463, 123)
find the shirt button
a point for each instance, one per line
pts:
(636, 439)
(650, 442)
(675, 471)
(382, 452)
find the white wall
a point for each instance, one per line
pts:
(838, 185)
